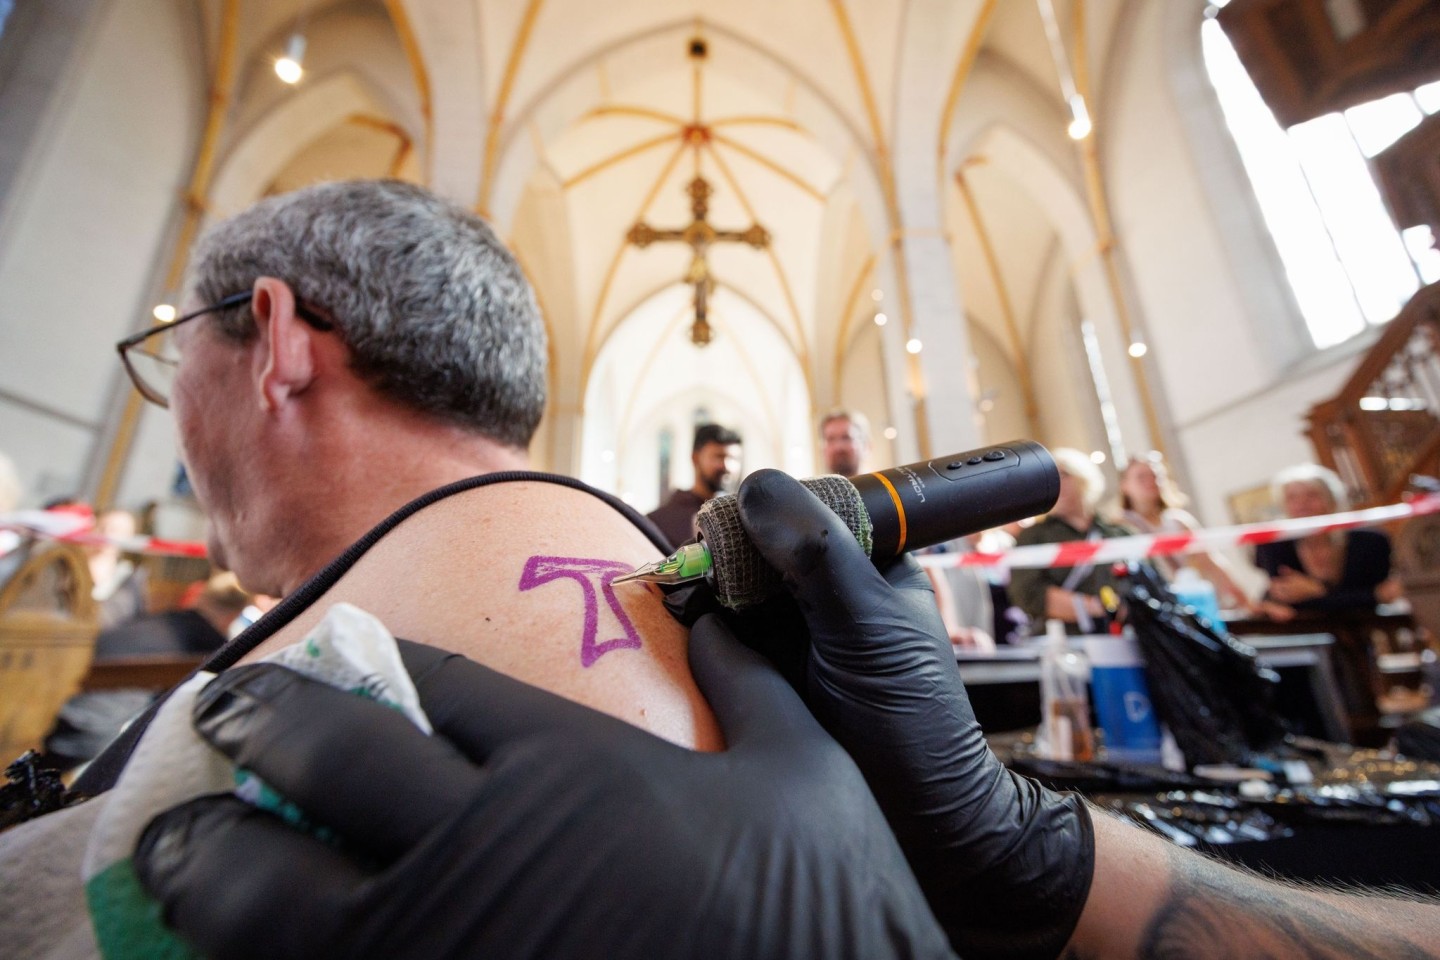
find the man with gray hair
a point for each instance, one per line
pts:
(355, 381)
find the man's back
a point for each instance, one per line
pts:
(516, 576)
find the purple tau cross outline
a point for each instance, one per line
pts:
(542, 570)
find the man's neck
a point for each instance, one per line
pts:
(362, 472)
(702, 491)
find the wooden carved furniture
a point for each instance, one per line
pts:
(1384, 425)
(48, 623)
(1312, 57)
(1408, 174)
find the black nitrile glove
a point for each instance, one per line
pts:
(530, 826)
(1005, 863)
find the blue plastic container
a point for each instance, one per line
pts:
(1122, 699)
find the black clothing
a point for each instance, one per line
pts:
(89, 721)
(1367, 565)
(176, 632)
(676, 516)
(105, 770)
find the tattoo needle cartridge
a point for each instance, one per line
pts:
(691, 562)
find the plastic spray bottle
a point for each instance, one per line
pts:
(1064, 703)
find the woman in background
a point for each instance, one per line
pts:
(1151, 503)
(1069, 594)
(1340, 570)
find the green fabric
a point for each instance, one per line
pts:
(1027, 587)
(127, 922)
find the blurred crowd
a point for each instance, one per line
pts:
(164, 607)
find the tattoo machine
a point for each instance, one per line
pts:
(889, 511)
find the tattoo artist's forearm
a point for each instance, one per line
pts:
(1153, 901)
(1213, 911)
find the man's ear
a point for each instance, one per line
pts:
(286, 362)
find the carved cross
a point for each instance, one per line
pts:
(699, 234)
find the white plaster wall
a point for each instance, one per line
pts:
(1242, 445)
(864, 386)
(47, 452)
(1175, 252)
(1069, 412)
(1237, 379)
(85, 228)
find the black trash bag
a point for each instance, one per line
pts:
(1419, 738)
(1207, 688)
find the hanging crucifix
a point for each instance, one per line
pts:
(699, 233)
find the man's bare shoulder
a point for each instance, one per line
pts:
(518, 576)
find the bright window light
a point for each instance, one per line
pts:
(1420, 242)
(1361, 229)
(1345, 261)
(1428, 97)
(1379, 123)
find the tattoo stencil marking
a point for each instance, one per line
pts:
(587, 573)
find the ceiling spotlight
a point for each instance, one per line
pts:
(163, 312)
(1098, 457)
(877, 295)
(891, 433)
(288, 68)
(913, 345)
(1138, 349)
(1080, 125)
(880, 319)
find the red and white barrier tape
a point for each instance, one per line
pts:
(80, 529)
(1075, 553)
(71, 528)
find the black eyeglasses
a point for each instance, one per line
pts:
(151, 358)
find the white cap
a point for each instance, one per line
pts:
(1055, 633)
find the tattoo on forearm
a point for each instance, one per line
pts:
(1212, 911)
(594, 576)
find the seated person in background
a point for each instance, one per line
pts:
(90, 720)
(361, 372)
(1151, 503)
(1071, 594)
(119, 583)
(12, 491)
(973, 601)
(963, 598)
(1345, 570)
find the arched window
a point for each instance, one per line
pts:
(1347, 264)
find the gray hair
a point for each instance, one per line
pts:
(1312, 474)
(1082, 468)
(435, 311)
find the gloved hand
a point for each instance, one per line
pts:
(530, 826)
(1005, 863)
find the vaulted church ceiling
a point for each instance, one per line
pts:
(805, 118)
